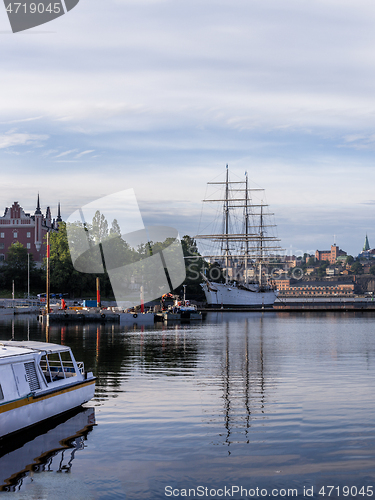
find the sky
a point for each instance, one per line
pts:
(159, 95)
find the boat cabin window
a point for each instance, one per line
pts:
(1, 393)
(57, 366)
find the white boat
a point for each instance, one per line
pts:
(181, 310)
(38, 381)
(241, 251)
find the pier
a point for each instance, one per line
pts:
(306, 304)
(79, 317)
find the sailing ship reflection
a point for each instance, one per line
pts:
(40, 449)
(245, 385)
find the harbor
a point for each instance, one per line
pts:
(243, 368)
(282, 396)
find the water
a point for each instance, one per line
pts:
(272, 401)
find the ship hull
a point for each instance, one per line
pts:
(218, 294)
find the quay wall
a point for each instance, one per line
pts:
(309, 304)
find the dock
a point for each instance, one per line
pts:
(79, 317)
(305, 304)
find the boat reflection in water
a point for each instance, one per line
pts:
(47, 447)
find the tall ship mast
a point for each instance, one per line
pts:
(242, 249)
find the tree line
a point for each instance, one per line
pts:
(65, 279)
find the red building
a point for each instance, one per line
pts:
(330, 255)
(29, 230)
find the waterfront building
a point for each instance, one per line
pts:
(298, 288)
(18, 226)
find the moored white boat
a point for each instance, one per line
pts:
(181, 310)
(38, 381)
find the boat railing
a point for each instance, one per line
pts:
(11, 303)
(54, 370)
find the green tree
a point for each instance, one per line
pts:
(99, 228)
(357, 268)
(194, 266)
(63, 277)
(372, 269)
(349, 259)
(15, 268)
(115, 228)
(311, 261)
(322, 268)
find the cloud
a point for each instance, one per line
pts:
(79, 155)
(169, 92)
(65, 153)
(12, 139)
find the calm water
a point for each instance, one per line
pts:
(272, 401)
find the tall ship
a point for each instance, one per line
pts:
(240, 246)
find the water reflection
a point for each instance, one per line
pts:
(254, 399)
(48, 447)
(245, 379)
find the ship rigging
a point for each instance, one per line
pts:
(242, 248)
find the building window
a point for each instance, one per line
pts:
(15, 234)
(28, 234)
(2, 235)
(2, 256)
(27, 246)
(2, 245)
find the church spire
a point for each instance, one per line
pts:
(38, 211)
(58, 219)
(366, 246)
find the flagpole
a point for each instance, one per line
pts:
(47, 291)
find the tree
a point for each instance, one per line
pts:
(194, 266)
(357, 268)
(372, 269)
(115, 228)
(99, 228)
(349, 259)
(63, 277)
(322, 268)
(16, 266)
(311, 261)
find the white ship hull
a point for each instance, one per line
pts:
(227, 295)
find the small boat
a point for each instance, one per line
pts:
(39, 380)
(181, 310)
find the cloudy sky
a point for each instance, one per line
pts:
(159, 95)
